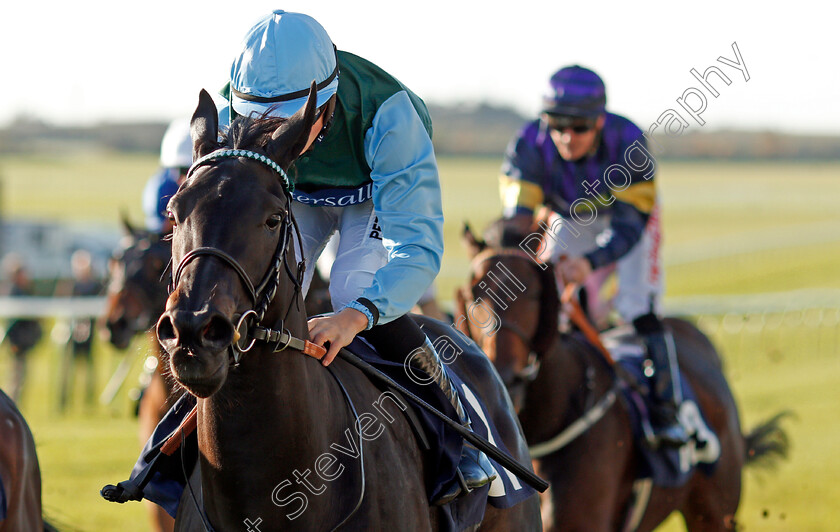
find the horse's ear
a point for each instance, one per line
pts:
(204, 126)
(473, 244)
(126, 224)
(548, 324)
(289, 140)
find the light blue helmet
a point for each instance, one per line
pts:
(280, 57)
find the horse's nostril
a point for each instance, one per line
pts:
(165, 329)
(218, 331)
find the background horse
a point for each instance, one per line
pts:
(265, 420)
(20, 474)
(592, 475)
(136, 298)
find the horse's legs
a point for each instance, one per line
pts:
(18, 375)
(67, 368)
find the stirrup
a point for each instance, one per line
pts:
(668, 430)
(673, 436)
(479, 471)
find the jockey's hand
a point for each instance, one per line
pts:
(338, 329)
(574, 269)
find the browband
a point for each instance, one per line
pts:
(226, 153)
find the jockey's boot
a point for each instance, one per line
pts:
(474, 469)
(668, 431)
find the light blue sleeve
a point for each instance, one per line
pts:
(407, 201)
(224, 117)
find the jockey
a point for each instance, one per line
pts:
(370, 175)
(593, 170)
(175, 161)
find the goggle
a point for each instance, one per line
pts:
(575, 123)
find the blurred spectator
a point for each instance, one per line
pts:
(79, 346)
(22, 334)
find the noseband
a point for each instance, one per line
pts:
(248, 329)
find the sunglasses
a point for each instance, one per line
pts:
(561, 123)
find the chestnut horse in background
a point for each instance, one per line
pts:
(20, 474)
(592, 473)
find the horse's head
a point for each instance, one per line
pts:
(509, 306)
(136, 294)
(231, 243)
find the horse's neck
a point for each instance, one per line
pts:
(556, 397)
(275, 415)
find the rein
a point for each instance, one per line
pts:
(577, 427)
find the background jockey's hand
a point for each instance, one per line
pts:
(338, 329)
(574, 270)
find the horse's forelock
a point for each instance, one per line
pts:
(249, 133)
(504, 233)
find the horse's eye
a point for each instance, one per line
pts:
(273, 221)
(171, 217)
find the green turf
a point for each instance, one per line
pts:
(747, 228)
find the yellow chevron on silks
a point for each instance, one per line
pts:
(640, 195)
(517, 193)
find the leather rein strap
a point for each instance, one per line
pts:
(578, 317)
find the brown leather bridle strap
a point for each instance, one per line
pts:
(283, 339)
(173, 442)
(578, 317)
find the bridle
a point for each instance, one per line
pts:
(248, 329)
(532, 367)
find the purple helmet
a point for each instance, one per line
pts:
(575, 91)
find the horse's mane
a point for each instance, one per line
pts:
(247, 132)
(502, 233)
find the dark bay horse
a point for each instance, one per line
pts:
(267, 416)
(20, 474)
(136, 299)
(594, 466)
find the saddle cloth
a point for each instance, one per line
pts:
(167, 481)
(668, 467)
